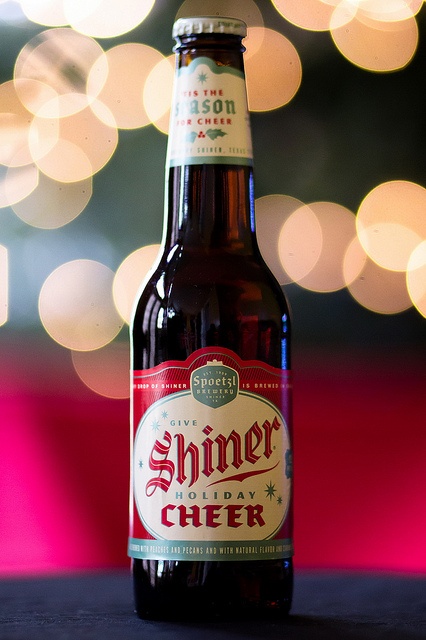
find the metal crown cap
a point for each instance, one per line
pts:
(209, 24)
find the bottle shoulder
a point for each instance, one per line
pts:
(220, 273)
(211, 299)
(220, 265)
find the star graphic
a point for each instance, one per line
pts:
(279, 500)
(270, 490)
(140, 463)
(164, 415)
(155, 425)
(202, 77)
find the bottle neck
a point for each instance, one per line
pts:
(209, 195)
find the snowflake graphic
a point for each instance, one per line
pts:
(164, 415)
(270, 490)
(140, 463)
(202, 77)
(155, 425)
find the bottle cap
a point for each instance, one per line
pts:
(209, 24)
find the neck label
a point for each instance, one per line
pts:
(209, 122)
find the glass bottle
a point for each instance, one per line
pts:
(211, 481)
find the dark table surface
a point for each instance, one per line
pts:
(329, 606)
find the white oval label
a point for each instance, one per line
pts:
(203, 473)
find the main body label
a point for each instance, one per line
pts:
(211, 460)
(209, 121)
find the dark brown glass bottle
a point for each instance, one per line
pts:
(210, 296)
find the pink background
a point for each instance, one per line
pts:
(360, 471)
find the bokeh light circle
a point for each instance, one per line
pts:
(373, 287)
(391, 222)
(354, 261)
(313, 15)
(76, 147)
(54, 204)
(416, 277)
(275, 83)
(128, 65)
(60, 59)
(157, 103)
(46, 12)
(246, 10)
(106, 370)
(15, 123)
(389, 244)
(390, 10)
(377, 46)
(129, 277)
(272, 211)
(106, 18)
(338, 229)
(17, 183)
(76, 306)
(300, 243)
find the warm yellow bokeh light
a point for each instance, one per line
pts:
(54, 204)
(416, 277)
(4, 285)
(313, 15)
(67, 162)
(33, 94)
(246, 10)
(373, 287)
(15, 122)
(76, 306)
(337, 232)
(128, 67)
(61, 59)
(300, 243)
(106, 18)
(391, 222)
(354, 261)
(273, 72)
(158, 91)
(106, 370)
(390, 10)
(46, 12)
(75, 147)
(377, 46)
(14, 140)
(17, 183)
(271, 213)
(389, 244)
(345, 11)
(129, 277)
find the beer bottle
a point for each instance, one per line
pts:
(210, 513)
